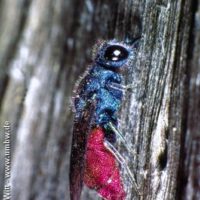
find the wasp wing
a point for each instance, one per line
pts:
(81, 129)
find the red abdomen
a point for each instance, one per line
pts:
(101, 170)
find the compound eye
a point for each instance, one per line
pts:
(116, 53)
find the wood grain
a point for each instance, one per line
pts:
(46, 45)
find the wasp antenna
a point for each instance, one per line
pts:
(132, 41)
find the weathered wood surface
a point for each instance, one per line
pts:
(189, 173)
(46, 45)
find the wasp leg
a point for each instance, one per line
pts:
(122, 139)
(121, 87)
(122, 161)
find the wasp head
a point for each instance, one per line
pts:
(115, 55)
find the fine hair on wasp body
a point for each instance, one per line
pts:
(98, 98)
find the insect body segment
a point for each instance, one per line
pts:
(99, 89)
(101, 172)
(107, 99)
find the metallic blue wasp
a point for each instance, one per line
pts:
(97, 101)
